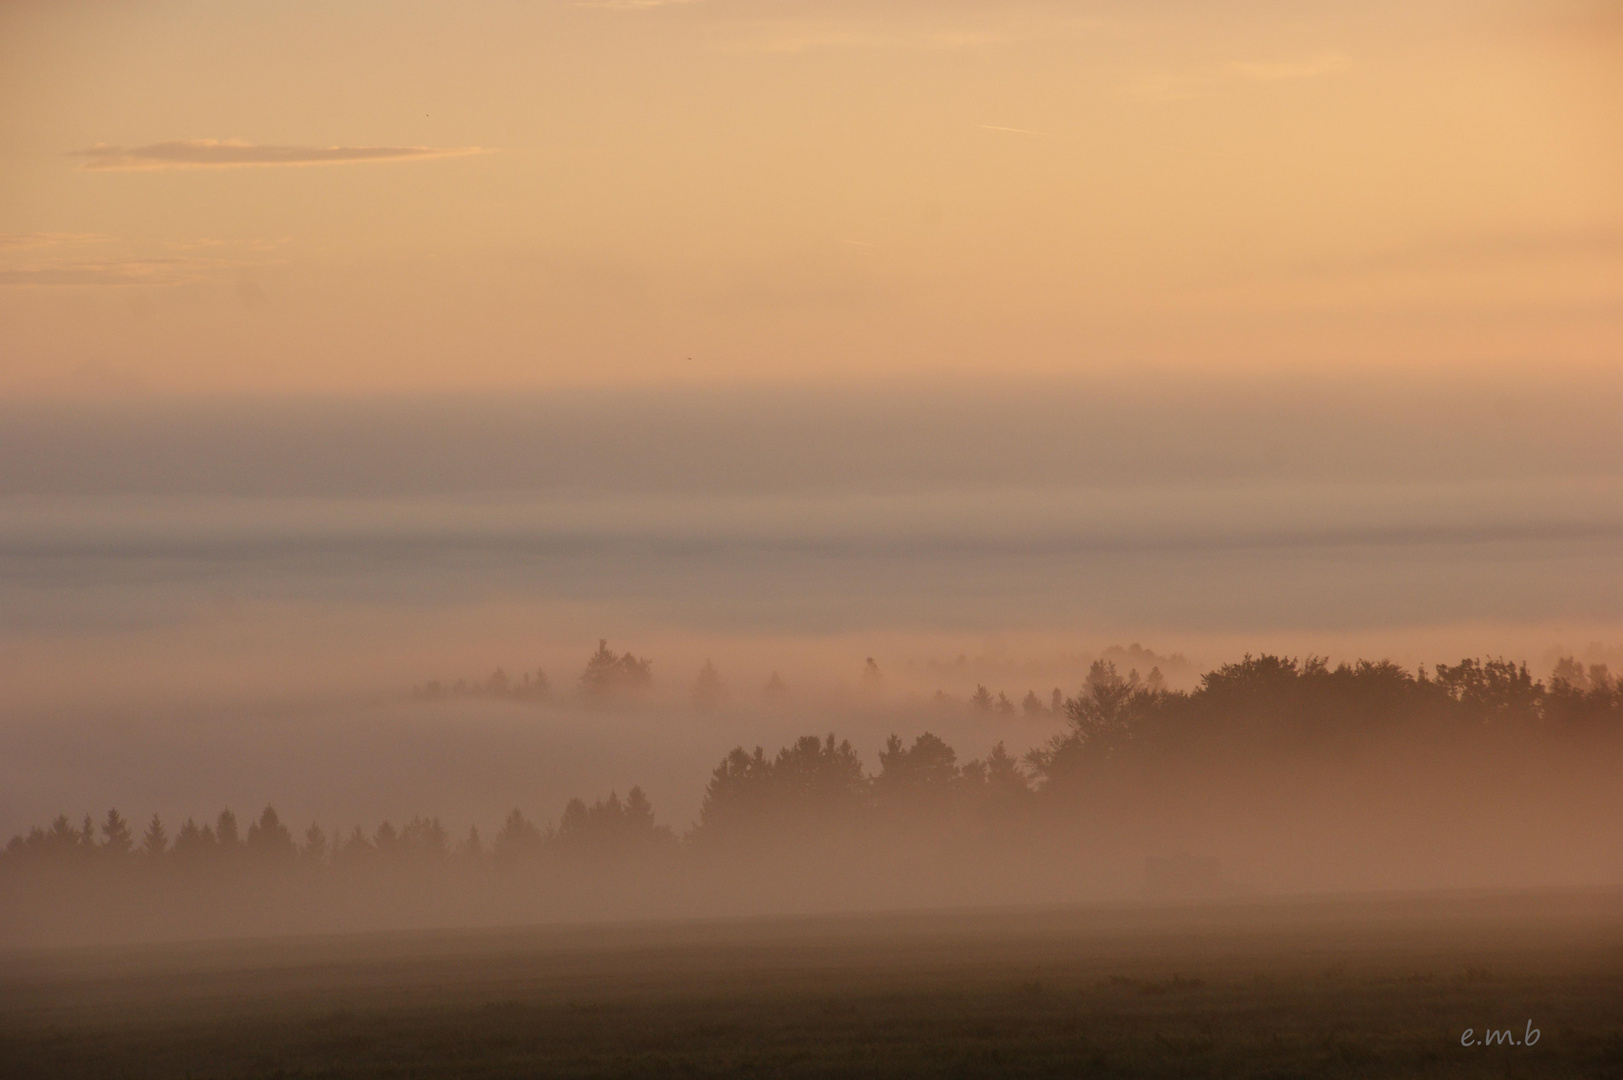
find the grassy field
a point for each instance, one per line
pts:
(1310, 988)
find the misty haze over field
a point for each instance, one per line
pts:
(227, 602)
(1281, 776)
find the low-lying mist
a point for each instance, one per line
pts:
(508, 800)
(371, 614)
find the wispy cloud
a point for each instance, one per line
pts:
(234, 153)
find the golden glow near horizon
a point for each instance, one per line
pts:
(365, 196)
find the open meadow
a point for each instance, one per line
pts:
(1325, 987)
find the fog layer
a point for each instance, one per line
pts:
(212, 604)
(1272, 776)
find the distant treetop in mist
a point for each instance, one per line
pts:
(608, 674)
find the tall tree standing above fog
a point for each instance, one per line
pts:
(116, 832)
(156, 840)
(607, 673)
(873, 680)
(268, 837)
(1101, 723)
(1099, 713)
(225, 830)
(601, 670)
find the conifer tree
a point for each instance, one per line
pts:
(116, 833)
(155, 842)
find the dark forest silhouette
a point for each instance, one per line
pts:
(1272, 774)
(1258, 706)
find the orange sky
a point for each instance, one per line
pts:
(347, 344)
(369, 196)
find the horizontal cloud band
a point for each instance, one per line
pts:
(233, 153)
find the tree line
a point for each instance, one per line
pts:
(607, 673)
(1116, 726)
(610, 675)
(605, 825)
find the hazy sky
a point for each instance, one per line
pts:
(353, 341)
(366, 196)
